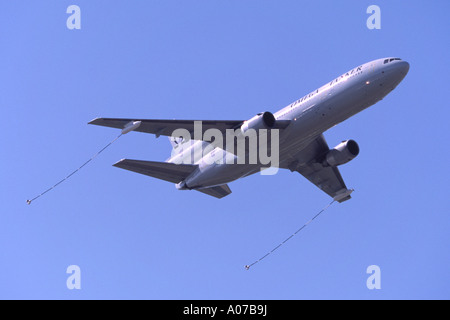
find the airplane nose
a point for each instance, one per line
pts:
(403, 67)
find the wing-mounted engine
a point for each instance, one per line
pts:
(264, 120)
(344, 152)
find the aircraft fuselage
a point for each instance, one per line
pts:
(310, 116)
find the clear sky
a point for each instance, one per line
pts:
(137, 237)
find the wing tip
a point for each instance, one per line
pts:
(94, 121)
(118, 163)
(343, 195)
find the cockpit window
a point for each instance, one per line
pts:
(390, 60)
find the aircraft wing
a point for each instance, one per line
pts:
(328, 179)
(166, 127)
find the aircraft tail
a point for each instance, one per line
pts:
(218, 191)
(170, 172)
(175, 141)
(161, 170)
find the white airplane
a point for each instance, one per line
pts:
(299, 128)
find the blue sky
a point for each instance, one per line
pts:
(139, 238)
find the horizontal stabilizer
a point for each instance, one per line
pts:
(218, 192)
(171, 172)
(162, 170)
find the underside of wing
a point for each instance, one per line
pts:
(308, 163)
(167, 127)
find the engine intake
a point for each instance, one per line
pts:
(264, 120)
(341, 154)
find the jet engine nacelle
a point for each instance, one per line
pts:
(341, 154)
(264, 120)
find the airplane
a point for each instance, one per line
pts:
(299, 127)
